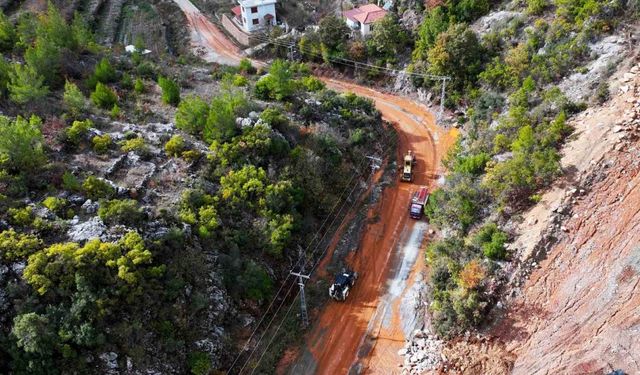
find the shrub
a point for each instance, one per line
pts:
(21, 144)
(191, 115)
(55, 204)
(240, 80)
(104, 73)
(221, 122)
(70, 182)
(491, 240)
(96, 188)
(278, 84)
(77, 131)
(21, 216)
(199, 363)
(26, 84)
(120, 211)
(7, 33)
(312, 84)
(274, 117)
(136, 145)
(115, 112)
(170, 91)
(101, 143)
(138, 86)
(246, 67)
(175, 146)
(73, 99)
(104, 97)
(14, 246)
(602, 92)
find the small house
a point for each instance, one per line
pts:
(252, 15)
(363, 18)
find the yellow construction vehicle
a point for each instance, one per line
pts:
(409, 162)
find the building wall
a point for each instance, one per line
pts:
(238, 34)
(263, 10)
(365, 29)
(352, 24)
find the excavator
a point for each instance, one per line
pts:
(409, 162)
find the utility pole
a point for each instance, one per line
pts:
(291, 50)
(444, 82)
(375, 165)
(303, 303)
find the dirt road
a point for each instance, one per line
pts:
(208, 40)
(366, 331)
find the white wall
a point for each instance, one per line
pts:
(365, 29)
(263, 10)
(352, 24)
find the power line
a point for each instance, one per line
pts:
(381, 134)
(315, 265)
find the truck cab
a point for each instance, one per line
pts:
(344, 281)
(418, 201)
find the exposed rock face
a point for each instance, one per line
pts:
(93, 228)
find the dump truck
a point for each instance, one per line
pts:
(418, 201)
(407, 170)
(344, 281)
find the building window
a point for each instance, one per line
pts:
(256, 21)
(254, 9)
(244, 21)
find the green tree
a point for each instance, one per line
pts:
(244, 187)
(278, 84)
(103, 73)
(436, 22)
(7, 33)
(170, 91)
(82, 34)
(21, 144)
(457, 53)
(73, 99)
(221, 122)
(334, 33)
(25, 84)
(34, 333)
(388, 38)
(46, 58)
(5, 68)
(191, 115)
(103, 96)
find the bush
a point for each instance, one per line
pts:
(602, 92)
(77, 131)
(175, 146)
(26, 84)
(491, 240)
(73, 99)
(278, 84)
(221, 122)
(21, 216)
(274, 118)
(240, 80)
(199, 363)
(115, 112)
(55, 204)
(138, 86)
(136, 145)
(104, 97)
(70, 182)
(104, 73)
(170, 91)
(101, 143)
(21, 144)
(312, 84)
(14, 246)
(120, 211)
(246, 67)
(96, 188)
(191, 115)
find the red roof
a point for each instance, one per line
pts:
(365, 14)
(237, 11)
(268, 17)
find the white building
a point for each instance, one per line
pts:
(252, 15)
(363, 18)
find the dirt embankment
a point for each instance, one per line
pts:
(580, 310)
(576, 301)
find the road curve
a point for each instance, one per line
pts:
(366, 330)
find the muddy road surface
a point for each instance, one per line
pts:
(364, 333)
